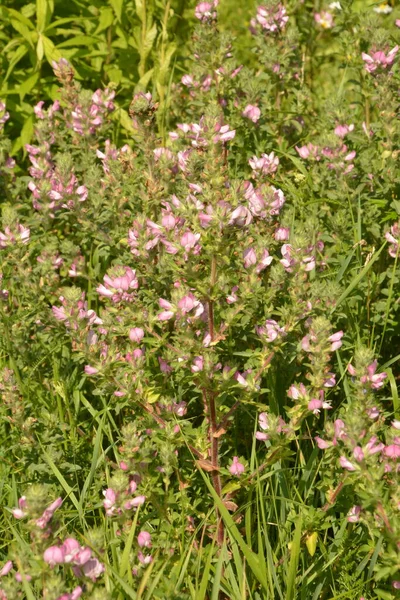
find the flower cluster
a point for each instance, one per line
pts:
(271, 18)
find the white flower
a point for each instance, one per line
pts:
(383, 8)
(335, 6)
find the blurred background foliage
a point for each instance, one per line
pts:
(129, 44)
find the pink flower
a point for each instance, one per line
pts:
(205, 12)
(252, 112)
(270, 330)
(70, 547)
(379, 59)
(374, 379)
(336, 338)
(144, 539)
(324, 19)
(232, 297)
(342, 130)
(224, 134)
(236, 468)
(197, 365)
(263, 421)
(189, 240)
(117, 285)
(91, 569)
(298, 393)
(346, 464)
(54, 555)
(358, 454)
(372, 447)
(143, 559)
(136, 334)
(322, 444)
(392, 451)
(393, 237)
(265, 261)
(90, 370)
(272, 18)
(249, 257)
(282, 234)
(316, 404)
(48, 513)
(168, 313)
(353, 516)
(6, 568)
(110, 498)
(266, 164)
(307, 151)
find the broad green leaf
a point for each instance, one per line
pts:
(28, 85)
(122, 116)
(26, 132)
(41, 14)
(50, 50)
(117, 6)
(19, 53)
(40, 48)
(20, 17)
(140, 10)
(144, 81)
(24, 31)
(79, 40)
(164, 67)
(145, 48)
(106, 19)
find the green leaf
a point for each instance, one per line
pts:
(251, 557)
(41, 14)
(50, 50)
(20, 17)
(358, 278)
(147, 45)
(144, 81)
(117, 6)
(40, 48)
(19, 53)
(67, 488)
(27, 131)
(28, 85)
(294, 561)
(26, 33)
(395, 393)
(106, 19)
(79, 40)
(140, 10)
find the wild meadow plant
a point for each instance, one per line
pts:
(200, 330)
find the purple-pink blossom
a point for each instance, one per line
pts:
(266, 164)
(144, 539)
(379, 60)
(205, 11)
(118, 284)
(252, 112)
(236, 468)
(271, 19)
